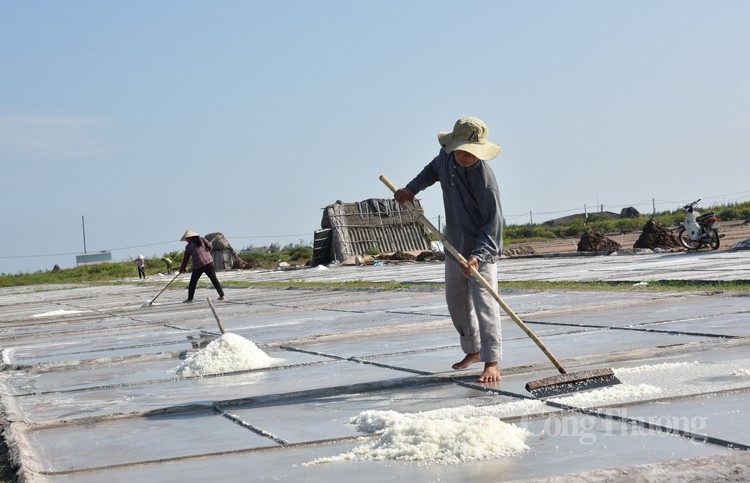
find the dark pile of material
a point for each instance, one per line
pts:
(654, 235)
(593, 241)
(397, 256)
(425, 256)
(431, 256)
(518, 251)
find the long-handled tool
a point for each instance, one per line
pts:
(150, 302)
(216, 316)
(551, 386)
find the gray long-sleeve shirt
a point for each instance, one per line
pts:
(473, 213)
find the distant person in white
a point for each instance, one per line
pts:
(141, 263)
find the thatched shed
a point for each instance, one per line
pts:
(359, 228)
(225, 258)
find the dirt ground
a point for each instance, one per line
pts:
(732, 232)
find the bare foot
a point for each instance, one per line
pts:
(470, 359)
(491, 373)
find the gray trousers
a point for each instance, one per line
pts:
(474, 311)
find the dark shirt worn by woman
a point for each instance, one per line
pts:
(201, 253)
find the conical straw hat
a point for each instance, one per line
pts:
(188, 234)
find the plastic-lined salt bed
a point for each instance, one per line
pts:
(452, 435)
(472, 433)
(445, 436)
(622, 392)
(662, 373)
(228, 353)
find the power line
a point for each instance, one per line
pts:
(649, 204)
(132, 247)
(655, 202)
(36, 256)
(267, 236)
(78, 253)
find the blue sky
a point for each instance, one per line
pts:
(248, 118)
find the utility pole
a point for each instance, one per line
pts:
(83, 225)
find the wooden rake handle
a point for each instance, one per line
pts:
(165, 287)
(492, 290)
(216, 316)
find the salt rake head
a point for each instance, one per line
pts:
(572, 382)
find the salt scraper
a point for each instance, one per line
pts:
(564, 383)
(149, 303)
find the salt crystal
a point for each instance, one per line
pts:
(55, 313)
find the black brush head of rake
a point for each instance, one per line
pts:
(572, 382)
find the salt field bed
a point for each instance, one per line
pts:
(355, 385)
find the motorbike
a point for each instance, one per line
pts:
(698, 231)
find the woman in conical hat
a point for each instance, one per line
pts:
(188, 234)
(200, 250)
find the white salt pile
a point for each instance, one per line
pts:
(664, 366)
(523, 407)
(609, 395)
(55, 313)
(445, 436)
(228, 353)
